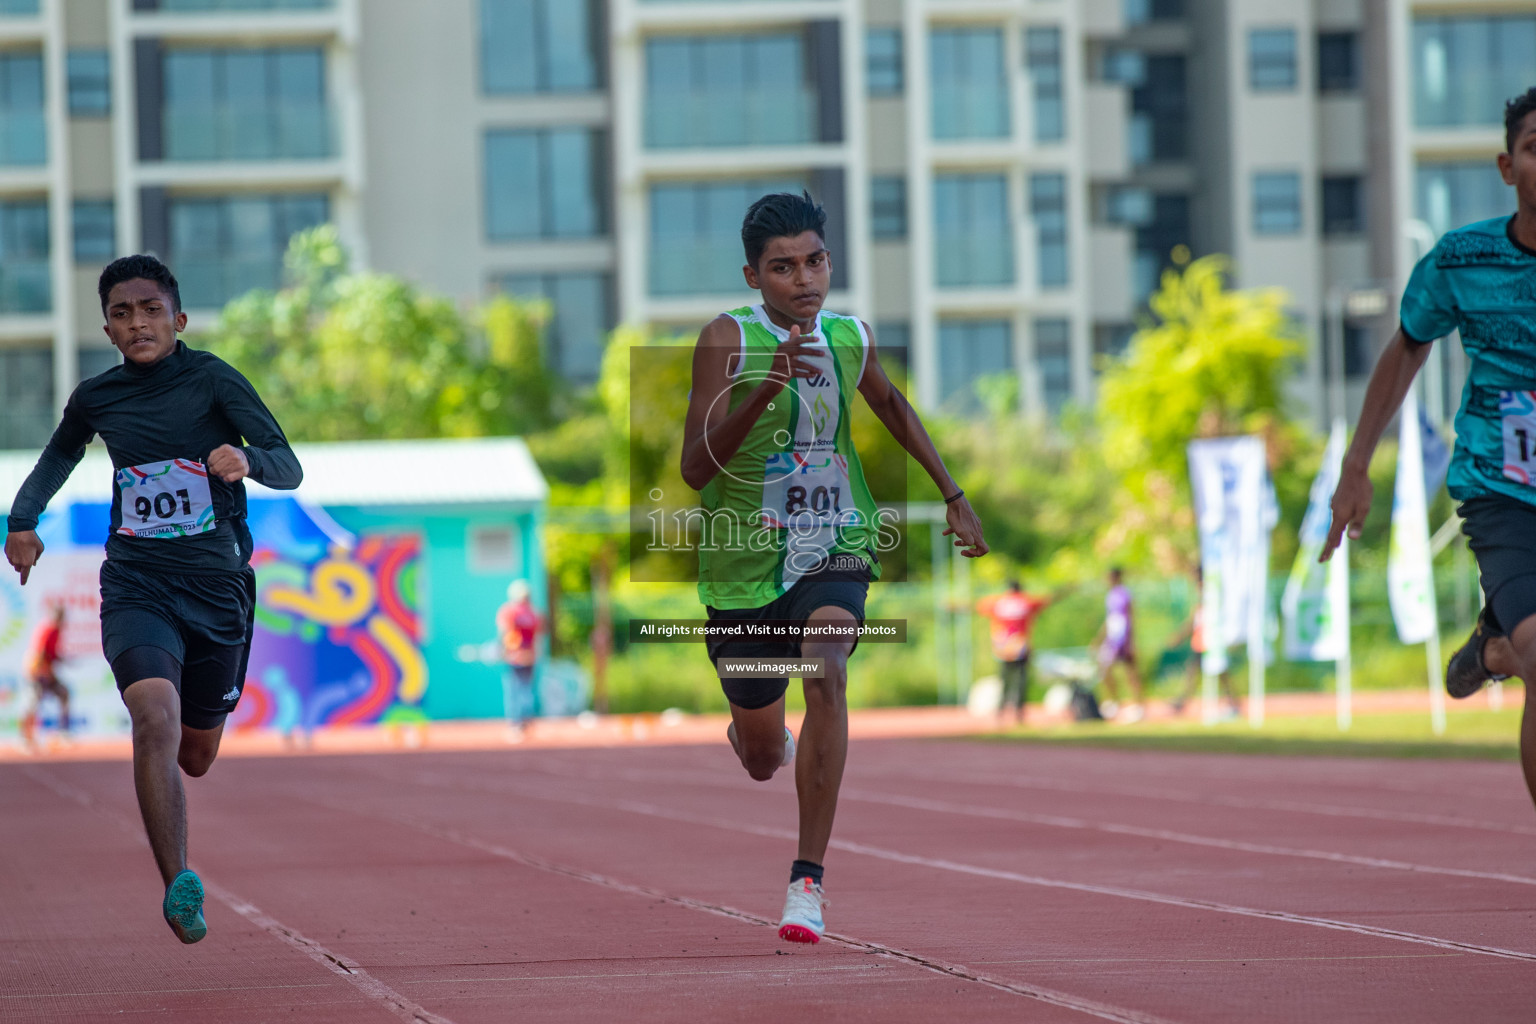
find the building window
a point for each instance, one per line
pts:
(494, 549)
(543, 183)
(1156, 239)
(1465, 68)
(970, 84)
(888, 199)
(26, 382)
(581, 315)
(1053, 360)
(1343, 205)
(90, 83)
(696, 234)
(1048, 205)
(1140, 12)
(23, 133)
(1277, 203)
(225, 246)
(970, 350)
(95, 230)
(246, 104)
(1338, 61)
(1359, 360)
(1453, 194)
(1160, 112)
(728, 90)
(1042, 47)
(884, 75)
(1272, 59)
(973, 230)
(234, 5)
(532, 46)
(26, 285)
(93, 362)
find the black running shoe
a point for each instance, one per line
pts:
(1466, 673)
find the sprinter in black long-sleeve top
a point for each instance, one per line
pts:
(178, 596)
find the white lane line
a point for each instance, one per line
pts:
(1093, 1008)
(1082, 824)
(1241, 803)
(939, 864)
(1057, 821)
(364, 982)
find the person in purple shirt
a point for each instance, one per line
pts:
(1117, 646)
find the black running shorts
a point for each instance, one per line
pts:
(1502, 534)
(831, 585)
(194, 630)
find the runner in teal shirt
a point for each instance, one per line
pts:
(1480, 280)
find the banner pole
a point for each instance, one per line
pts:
(1436, 690)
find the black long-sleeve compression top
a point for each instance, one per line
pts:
(181, 408)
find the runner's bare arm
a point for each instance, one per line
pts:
(63, 453)
(713, 432)
(266, 457)
(891, 407)
(1400, 362)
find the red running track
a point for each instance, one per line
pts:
(970, 881)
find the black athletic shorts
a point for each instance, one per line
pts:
(194, 630)
(1502, 534)
(831, 585)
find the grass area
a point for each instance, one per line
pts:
(1473, 734)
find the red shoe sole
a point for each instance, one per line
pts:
(795, 933)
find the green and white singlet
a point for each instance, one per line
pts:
(794, 494)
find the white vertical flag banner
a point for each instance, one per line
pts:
(1410, 577)
(1315, 606)
(1227, 476)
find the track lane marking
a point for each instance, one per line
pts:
(353, 972)
(1103, 1011)
(940, 864)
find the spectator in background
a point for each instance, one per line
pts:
(1013, 615)
(1194, 631)
(518, 626)
(1117, 646)
(42, 661)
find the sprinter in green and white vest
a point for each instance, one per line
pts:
(793, 533)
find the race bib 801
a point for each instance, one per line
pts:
(165, 499)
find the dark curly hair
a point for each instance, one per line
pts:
(1514, 115)
(132, 267)
(780, 215)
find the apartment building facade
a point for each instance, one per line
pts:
(1006, 178)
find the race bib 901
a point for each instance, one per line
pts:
(165, 499)
(1517, 411)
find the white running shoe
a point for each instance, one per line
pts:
(802, 912)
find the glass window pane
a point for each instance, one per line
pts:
(90, 83)
(223, 247)
(973, 231)
(728, 90)
(696, 234)
(884, 75)
(1277, 203)
(1272, 58)
(534, 46)
(95, 231)
(970, 84)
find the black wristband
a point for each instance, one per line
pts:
(954, 497)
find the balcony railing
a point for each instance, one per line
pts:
(258, 132)
(761, 118)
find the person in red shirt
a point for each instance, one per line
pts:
(42, 659)
(1013, 615)
(518, 626)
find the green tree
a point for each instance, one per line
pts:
(350, 356)
(1213, 361)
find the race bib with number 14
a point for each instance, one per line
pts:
(165, 499)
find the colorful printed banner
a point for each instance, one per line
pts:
(1315, 606)
(1410, 572)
